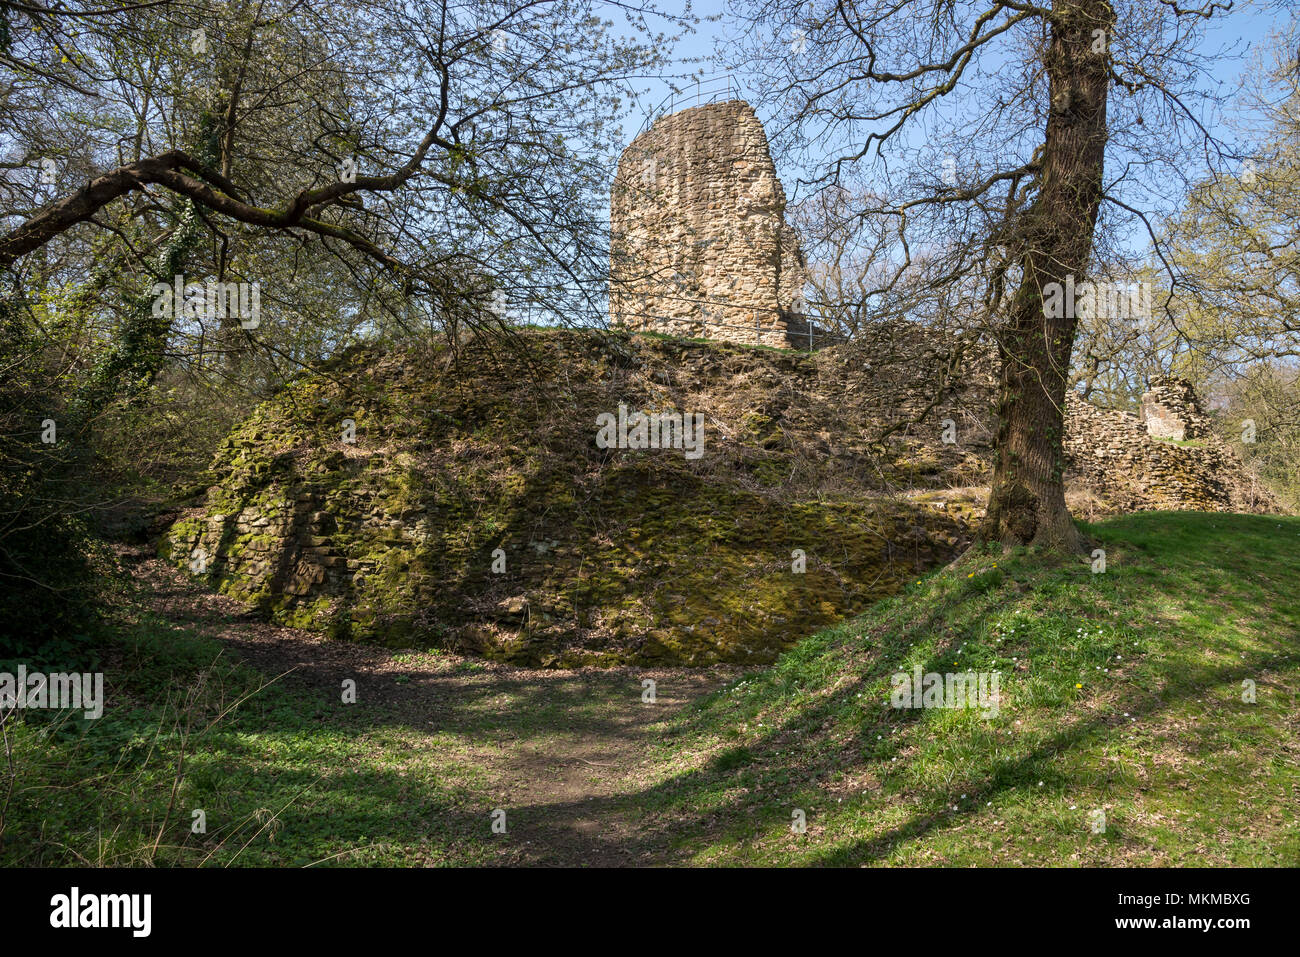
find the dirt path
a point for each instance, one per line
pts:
(564, 752)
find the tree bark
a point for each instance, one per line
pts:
(1027, 498)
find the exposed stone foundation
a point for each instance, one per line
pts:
(476, 510)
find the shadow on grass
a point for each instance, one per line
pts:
(653, 815)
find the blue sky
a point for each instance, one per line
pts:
(1230, 42)
(1231, 37)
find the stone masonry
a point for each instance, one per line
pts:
(699, 245)
(393, 538)
(1135, 465)
(1171, 410)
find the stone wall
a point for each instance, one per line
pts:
(1134, 465)
(606, 556)
(614, 556)
(1172, 411)
(699, 246)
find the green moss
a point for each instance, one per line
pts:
(317, 615)
(640, 556)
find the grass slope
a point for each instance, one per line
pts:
(1121, 692)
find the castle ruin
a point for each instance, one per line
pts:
(699, 245)
(1172, 411)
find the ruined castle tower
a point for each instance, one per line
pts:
(1171, 410)
(699, 245)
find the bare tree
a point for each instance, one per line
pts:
(432, 145)
(997, 139)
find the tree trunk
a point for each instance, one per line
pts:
(1027, 499)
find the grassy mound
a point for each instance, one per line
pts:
(475, 510)
(1148, 716)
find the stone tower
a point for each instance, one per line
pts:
(1171, 410)
(699, 245)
